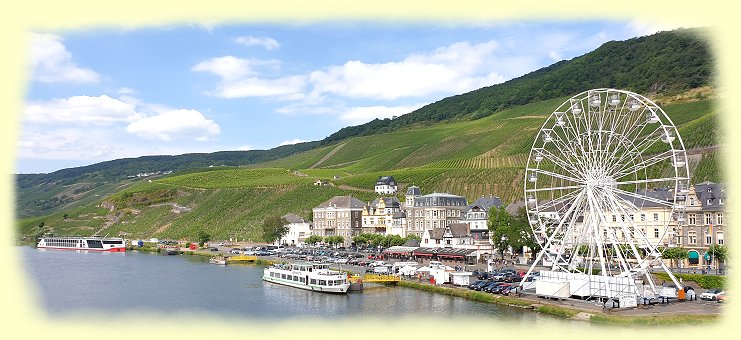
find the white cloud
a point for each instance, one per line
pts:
(554, 55)
(175, 124)
(65, 143)
(293, 141)
(239, 78)
(229, 67)
(101, 110)
(265, 42)
(245, 148)
(360, 115)
(457, 68)
(642, 27)
(52, 63)
(259, 87)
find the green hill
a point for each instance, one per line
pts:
(469, 158)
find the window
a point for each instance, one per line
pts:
(656, 232)
(710, 201)
(692, 201)
(720, 201)
(447, 241)
(692, 236)
(719, 237)
(719, 218)
(708, 239)
(622, 217)
(614, 218)
(643, 217)
(437, 241)
(656, 217)
(708, 218)
(691, 219)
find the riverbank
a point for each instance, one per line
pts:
(569, 309)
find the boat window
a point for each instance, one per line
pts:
(313, 281)
(322, 282)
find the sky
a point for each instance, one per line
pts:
(104, 94)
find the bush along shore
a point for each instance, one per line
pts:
(547, 307)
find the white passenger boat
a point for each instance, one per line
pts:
(109, 244)
(310, 276)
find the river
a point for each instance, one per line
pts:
(69, 282)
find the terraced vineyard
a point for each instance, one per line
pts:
(469, 158)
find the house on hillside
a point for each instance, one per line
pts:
(386, 185)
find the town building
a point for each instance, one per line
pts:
(378, 216)
(456, 236)
(386, 185)
(298, 230)
(339, 216)
(705, 222)
(476, 216)
(431, 211)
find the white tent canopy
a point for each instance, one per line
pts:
(408, 270)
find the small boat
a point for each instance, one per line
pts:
(220, 260)
(309, 276)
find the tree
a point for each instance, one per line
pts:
(720, 252)
(674, 253)
(412, 237)
(273, 228)
(360, 240)
(334, 240)
(203, 238)
(313, 239)
(499, 226)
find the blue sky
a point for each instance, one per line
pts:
(104, 94)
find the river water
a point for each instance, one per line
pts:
(70, 282)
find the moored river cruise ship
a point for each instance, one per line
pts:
(108, 244)
(310, 276)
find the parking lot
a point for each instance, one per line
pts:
(359, 262)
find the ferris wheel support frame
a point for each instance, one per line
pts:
(599, 150)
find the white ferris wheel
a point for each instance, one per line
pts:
(605, 186)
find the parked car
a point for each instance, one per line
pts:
(500, 288)
(483, 276)
(340, 261)
(477, 282)
(491, 286)
(721, 297)
(711, 294)
(214, 249)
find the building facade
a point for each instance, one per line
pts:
(298, 230)
(705, 222)
(386, 185)
(431, 211)
(339, 216)
(476, 216)
(378, 216)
